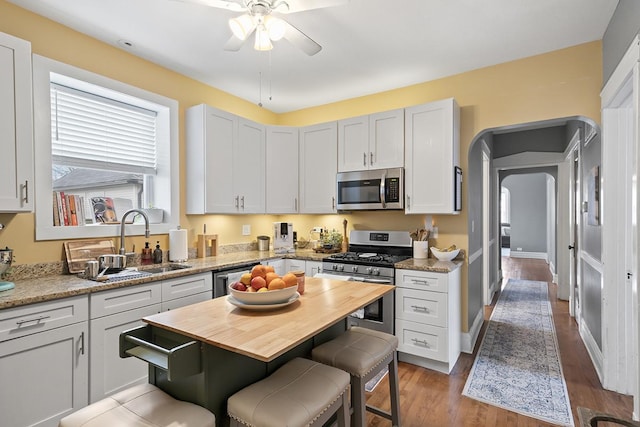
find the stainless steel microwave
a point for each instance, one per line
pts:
(371, 189)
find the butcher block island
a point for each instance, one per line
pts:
(205, 352)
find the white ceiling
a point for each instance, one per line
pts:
(368, 45)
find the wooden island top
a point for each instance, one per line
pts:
(265, 335)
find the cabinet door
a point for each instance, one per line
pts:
(44, 376)
(318, 168)
(281, 171)
(431, 153)
(313, 268)
(295, 265)
(353, 144)
(210, 136)
(386, 139)
(187, 285)
(16, 125)
(109, 373)
(249, 164)
(278, 265)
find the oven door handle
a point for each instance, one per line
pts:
(372, 280)
(383, 184)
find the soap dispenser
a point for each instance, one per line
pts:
(157, 254)
(147, 255)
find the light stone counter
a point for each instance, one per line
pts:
(431, 264)
(42, 288)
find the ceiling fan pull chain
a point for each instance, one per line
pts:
(260, 89)
(269, 75)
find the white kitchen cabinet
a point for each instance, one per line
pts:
(432, 151)
(318, 168)
(295, 265)
(281, 174)
(44, 362)
(374, 141)
(16, 125)
(279, 265)
(312, 268)
(225, 162)
(116, 310)
(428, 318)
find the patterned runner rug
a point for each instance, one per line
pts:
(518, 365)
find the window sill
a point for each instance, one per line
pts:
(102, 230)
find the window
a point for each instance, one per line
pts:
(102, 147)
(505, 205)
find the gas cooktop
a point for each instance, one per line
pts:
(367, 258)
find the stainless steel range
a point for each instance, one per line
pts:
(371, 258)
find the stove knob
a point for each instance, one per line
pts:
(370, 270)
(354, 268)
(341, 268)
(376, 271)
(334, 267)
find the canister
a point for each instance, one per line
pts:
(91, 269)
(300, 276)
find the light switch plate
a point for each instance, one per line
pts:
(246, 230)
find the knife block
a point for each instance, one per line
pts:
(207, 241)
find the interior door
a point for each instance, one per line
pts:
(574, 293)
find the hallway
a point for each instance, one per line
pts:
(429, 398)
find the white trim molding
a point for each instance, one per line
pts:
(468, 339)
(534, 255)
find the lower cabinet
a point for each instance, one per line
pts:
(428, 318)
(310, 268)
(44, 362)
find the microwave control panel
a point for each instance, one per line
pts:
(393, 190)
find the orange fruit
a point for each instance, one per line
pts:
(290, 279)
(269, 268)
(270, 276)
(277, 284)
(258, 271)
(263, 290)
(250, 289)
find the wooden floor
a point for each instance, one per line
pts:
(429, 398)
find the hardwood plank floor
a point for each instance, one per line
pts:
(429, 398)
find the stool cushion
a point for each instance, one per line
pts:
(357, 351)
(294, 395)
(144, 405)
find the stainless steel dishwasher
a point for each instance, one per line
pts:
(222, 278)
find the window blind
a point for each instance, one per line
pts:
(95, 132)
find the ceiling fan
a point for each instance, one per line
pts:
(257, 18)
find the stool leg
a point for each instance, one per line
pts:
(358, 402)
(343, 412)
(394, 391)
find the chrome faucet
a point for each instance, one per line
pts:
(122, 223)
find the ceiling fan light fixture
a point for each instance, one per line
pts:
(241, 26)
(275, 27)
(263, 42)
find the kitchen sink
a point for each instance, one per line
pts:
(165, 268)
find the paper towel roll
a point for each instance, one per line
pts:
(178, 245)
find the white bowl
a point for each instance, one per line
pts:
(276, 296)
(444, 256)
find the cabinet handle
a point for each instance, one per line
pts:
(36, 320)
(82, 343)
(420, 282)
(242, 202)
(420, 342)
(364, 159)
(236, 199)
(295, 204)
(333, 203)
(408, 202)
(371, 158)
(420, 308)
(26, 192)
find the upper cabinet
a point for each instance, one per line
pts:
(318, 154)
(375, 141)
(432, 152)
(225, 162)
(16, 125)
(282, 170)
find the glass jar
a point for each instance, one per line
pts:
(300, 276)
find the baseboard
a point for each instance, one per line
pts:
(534, 255)
(555, 279)
(468, 339)
(592, 349)
(434, 365)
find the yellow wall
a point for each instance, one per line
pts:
(557, 84)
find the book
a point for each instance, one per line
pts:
(104, 210)
(73, 216)
(56, 212)
(64, 219)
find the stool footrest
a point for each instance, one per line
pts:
(379, 412)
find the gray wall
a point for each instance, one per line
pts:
(528, 211)
(549, 139)
(624, 25)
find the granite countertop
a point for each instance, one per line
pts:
(56, 286)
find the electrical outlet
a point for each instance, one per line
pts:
(519, 249)
(317, 229)
(246, 230)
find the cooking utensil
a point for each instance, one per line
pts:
(113, 262)
(420, 234)
(6, 258)
(345, 240)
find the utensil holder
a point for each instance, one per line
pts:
(421, 249)
(207, 241)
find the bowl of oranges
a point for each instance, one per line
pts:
(263, 286)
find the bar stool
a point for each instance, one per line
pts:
(300, 393)
(143, 405)
(364, 353)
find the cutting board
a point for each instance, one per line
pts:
(80, 251)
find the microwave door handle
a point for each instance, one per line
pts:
(383, 183)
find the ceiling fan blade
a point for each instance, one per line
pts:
(301, 40)
(234, 43)
(232, 5)
(302, 5)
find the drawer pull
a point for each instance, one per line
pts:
(36, 320)
(420, 282)
(423, 343)
(420, 308)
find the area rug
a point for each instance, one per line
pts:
(518, 365)
(373, 382)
